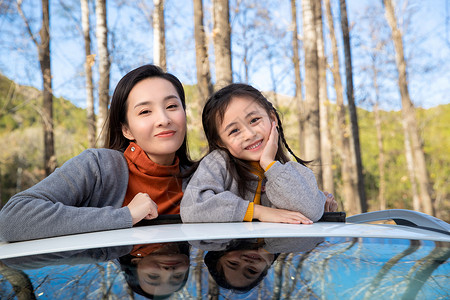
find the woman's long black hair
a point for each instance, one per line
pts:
(212, 117)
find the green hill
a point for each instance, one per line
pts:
(21, 130)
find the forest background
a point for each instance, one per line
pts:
(350, 100)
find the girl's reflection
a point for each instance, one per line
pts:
(241, 267)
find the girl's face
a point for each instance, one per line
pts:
(156, 120)
(242, 267)
(245, 128)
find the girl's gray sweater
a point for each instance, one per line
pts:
(83, 195)
(212, 193)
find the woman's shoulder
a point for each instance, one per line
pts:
(104, 158)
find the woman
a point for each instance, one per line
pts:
(139, 176)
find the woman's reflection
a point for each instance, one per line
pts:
(156, 271)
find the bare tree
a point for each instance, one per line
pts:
(408, 111)
(104, 66)
(159, 36)
(43, 47)
(312, 126)
(325, 139)
(204, 85)
(342, 129)
(298, 79)
(361, 203)
(222, 43)
(88, 63)
(21, 284)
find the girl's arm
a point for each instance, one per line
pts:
(293, 187)
(210, 195)
(84, 195)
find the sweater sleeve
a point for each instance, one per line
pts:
(293, 186)
(83, 195)
(208, 198)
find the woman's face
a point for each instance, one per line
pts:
(242, 267)
(156, 120)
(162, 274)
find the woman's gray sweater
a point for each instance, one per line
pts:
(212, 193)
(83, 195)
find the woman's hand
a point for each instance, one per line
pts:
(142, 207)
(271, 148)
(330, 203)
(276, 215)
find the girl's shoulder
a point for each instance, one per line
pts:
(217, 156)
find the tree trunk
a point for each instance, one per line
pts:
(408, 112)
(312, 125)
(298, 80)
(342, 129)
(159, 36)
(222, 43)
(88, 63)
(410, 167)
(325, 140)
(204, 85)
(360, 198)
(104, 65)
(381, 160)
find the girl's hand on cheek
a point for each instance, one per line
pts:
(271, 148)
(142, 207)
(276, 215)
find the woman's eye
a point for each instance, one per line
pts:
(144, 112)
(251, 271)
(153, 277)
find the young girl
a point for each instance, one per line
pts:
(247, 174)
(137, 178)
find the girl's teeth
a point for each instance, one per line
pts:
(254, 146)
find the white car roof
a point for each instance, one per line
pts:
(416, 226)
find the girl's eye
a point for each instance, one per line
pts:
(172, 106)
(254, 120)
(251, 271)
(234, 131)
(178, 276)
(153, 277)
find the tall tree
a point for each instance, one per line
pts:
(46, 113)
(204, 85)
(356, 149)
(222, 43)
(88, 63)
(103, 67)
(298, 79)
(408, 111)
(349, 190)
(159, 36)
(312, 125)
(325, 139)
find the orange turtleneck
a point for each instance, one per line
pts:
(160, 182)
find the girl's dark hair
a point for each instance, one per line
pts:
(212, 117)
(212, 258)
(118, 109)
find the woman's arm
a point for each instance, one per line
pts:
(83, 195)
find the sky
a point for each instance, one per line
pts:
(427, 47)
